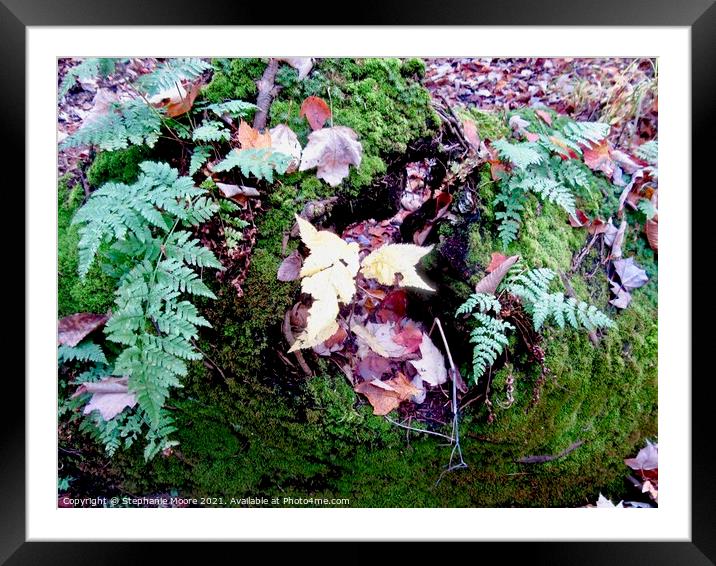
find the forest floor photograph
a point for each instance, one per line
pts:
(345, 282)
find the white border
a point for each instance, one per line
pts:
(670, 522)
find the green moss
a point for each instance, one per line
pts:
(121, 166)
(490, 125)
(234, 79)
(95, 293)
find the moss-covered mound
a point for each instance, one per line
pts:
(248, 425)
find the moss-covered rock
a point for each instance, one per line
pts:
(121, 166)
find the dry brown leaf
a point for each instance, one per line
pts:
(489, 283)
(290, 268)
(379, 338)
(598, 158)
(302, 64)
(496, 259)
(316, 112)
(471, 135)
(72, 329)
(652, 233)
(249, 138)
(385, 396)
(234, 191)
(332, 151)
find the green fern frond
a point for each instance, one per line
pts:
(489, 339)
(550, 190)
(528, 285)
(131, 123)
(171, 72)
(585, 133)
(88, 69)
(84, 352)
(180, 245)
(261, 163)
(649, 152)
(510, 218)
(521, 155)
(234, 108)
(484, 303)
(199, 157)
(211, 130)
(574, 173)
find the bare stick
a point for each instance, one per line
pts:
(267, 91)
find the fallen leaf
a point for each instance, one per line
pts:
(373, 367)
(630, 274)
(249, 138)
(622, 297)
(333, 343)
(329, 277)
(72, 329)
(181, 105)
(598, 158)
(393, 306)
(385, 396)
(290, 267)
(471, 135)
(238, 192)
(646, 459)
(316, 111)
(441, 203)
(579, 219)
(431, 366)
(618, 240)
(496, 259)
(604, 502)
(302, 64)
(409, 335)
(109, 396)
(489, 283)
(378, 337)
(331, 151)
(284, 140)
(387, 261)
(546, 116)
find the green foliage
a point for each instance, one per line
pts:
(649, 152)
(510, 198)
(124, 212)
(489, 338)
(173, 71)
(153, 262)
(211, 130)
(585, 133)
(83, 352)
(260, 162)
(234, 108)
(132, 122)
(482, 301)
(199, 157)
(532, 287)
(521, 155)
(234, 79)
(88, 69)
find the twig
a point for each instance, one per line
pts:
(401, 425)
(286, 327)
(212, 362)
(267, 91)
(549, 457)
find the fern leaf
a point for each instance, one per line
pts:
(649, 152)
(484, 303)
(489, 339)
(171, 72)
(234, 108)
(261, 163)
(521, 155)
(199, 157)
(84, 352)
(86, 70)
(211, 131)
(585, 133)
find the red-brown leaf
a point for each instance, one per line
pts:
(598, 158)
(652, 233)
(496, 260)
(545, 116)
(489, 283)
(316, 112)
(72, 329)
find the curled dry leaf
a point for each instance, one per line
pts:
(622, 297)
(238, 192)
(470, 130)
(72, 329)
(408, 334)
(385, 396)
(646, 459)
(109, 396)
(652, 233)
(618, 240)
(393, 306)
(389, 260)
(316, 111)
(489, 283)
(332, 151)
(379, 338)
(284, 140)
(598, 158)
(546, 116)
(431, 366)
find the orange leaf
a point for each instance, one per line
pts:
(252, 139)
(316, 111)
(385, 396)
(181, 105)
(495, 260)
(598, 158)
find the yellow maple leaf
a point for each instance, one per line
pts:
(387, 261)
(329, 277)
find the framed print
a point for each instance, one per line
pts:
(390, 282)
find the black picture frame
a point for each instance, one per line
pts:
(698, 15)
